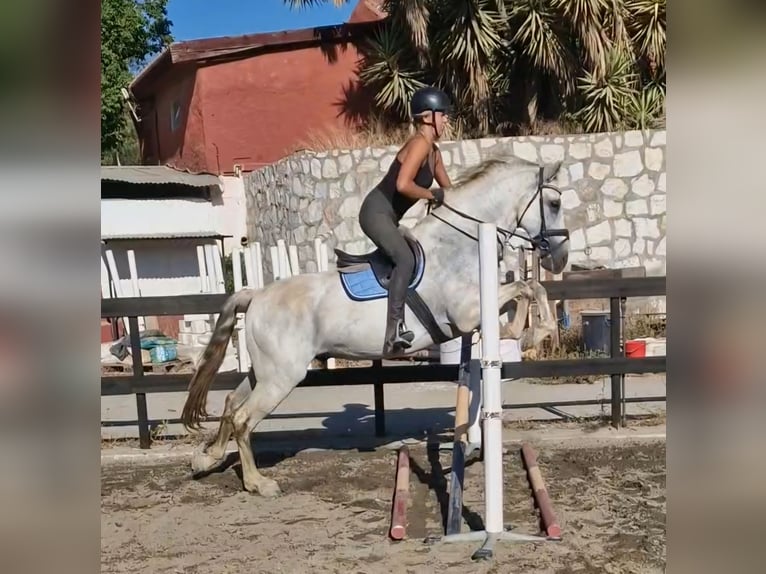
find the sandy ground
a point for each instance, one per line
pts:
(334, 515)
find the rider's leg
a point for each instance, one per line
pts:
(383, 230)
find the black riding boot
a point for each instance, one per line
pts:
(398, 336)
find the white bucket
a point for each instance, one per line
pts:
(449, 352)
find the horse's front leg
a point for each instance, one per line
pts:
(547, 324)
(467, 315)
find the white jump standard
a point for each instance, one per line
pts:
(492, 412)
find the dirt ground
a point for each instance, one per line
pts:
(334, 515)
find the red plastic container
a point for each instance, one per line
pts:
(635, 349)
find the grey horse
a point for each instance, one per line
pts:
(290, 322)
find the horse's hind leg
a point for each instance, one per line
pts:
(213, 453)
(265, 398)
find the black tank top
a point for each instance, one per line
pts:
(400, 202)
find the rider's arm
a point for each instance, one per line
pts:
(440, 173)
(416, 152)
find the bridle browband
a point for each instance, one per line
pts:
(540, 241)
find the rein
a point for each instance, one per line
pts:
(539, 241)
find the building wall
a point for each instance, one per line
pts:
(257, 110)
(254, 111)
(614, 195)
(172, 128)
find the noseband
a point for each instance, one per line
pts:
(540, 241)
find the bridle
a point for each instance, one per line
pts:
(540, 242)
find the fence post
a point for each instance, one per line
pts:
(144, 436)
(380, 405)
(615, 350)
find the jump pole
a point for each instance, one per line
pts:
(548, 517)
(401, 495)
(491, 367)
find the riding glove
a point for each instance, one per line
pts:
(438, 194)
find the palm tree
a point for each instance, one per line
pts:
(598, 62)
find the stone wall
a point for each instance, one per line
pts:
(614, 190)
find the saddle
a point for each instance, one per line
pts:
(379, 262)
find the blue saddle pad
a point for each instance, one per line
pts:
(363, 285)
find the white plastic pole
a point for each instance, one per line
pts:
(236, 267)
(284, 262)
(106, 292)
(318, 253)
(115, 275)
(324, 258)
(112, 265)
(133, 269)
(203, 283)
(295, 268)
(249, 272)
(491, 373)
(218, 266)
(275, 270)
(211, 275)
(257, 257)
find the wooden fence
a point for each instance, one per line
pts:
(616, 365)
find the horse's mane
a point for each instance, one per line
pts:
(486, 167)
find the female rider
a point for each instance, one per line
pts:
(409, 178)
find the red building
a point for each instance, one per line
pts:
(221, 104)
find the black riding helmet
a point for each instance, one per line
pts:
(430, 99)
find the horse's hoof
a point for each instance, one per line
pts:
(529, 355)
(266, 487)
(203, 462)
(269, 488)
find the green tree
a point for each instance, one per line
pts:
(600, 63)
(131, 32)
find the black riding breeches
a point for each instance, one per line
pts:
(378, 221)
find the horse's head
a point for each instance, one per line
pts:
(539, 212)
(515, 194)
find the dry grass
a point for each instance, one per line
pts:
(375, 134)
(645, 325)
(571, 344)
(546, 128)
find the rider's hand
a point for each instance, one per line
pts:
(438, 196)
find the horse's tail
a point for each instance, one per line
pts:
(195, 407)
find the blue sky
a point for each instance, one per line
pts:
(193, 19)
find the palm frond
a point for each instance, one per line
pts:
(647, 27)
(586, 17)
(414, 16)
(301, 4)
(646, 109)
(467, 35)
(391, 69)
(615, 24)
(540, 36)
(607, 94)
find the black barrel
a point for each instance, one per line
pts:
(596, 331)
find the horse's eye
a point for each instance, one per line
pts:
(555, 203)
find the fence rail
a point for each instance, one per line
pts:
(616, 366)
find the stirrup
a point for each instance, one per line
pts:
(403, 337)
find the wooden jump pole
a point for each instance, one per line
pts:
(401, 495)
(540, 493)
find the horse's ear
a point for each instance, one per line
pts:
(550, 170)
